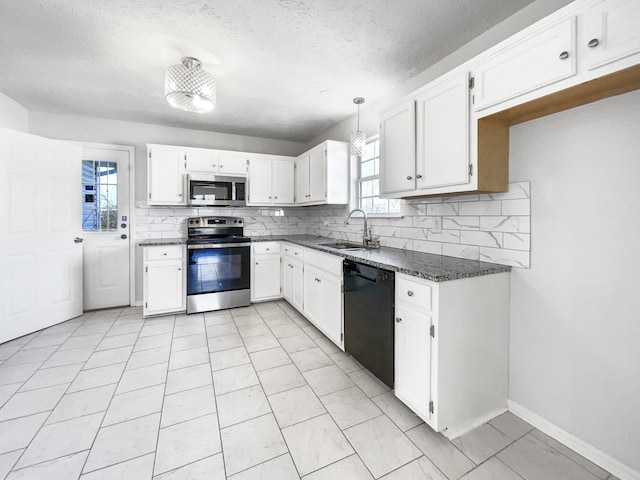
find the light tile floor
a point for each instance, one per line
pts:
(244, 394)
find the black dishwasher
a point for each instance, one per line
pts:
(368, 318)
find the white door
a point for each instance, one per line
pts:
(105, 225)
(413, 360)
(283, 181)
(442, 126)
(266, 277)
(165, 177)
(332, 308)
(259, 181)
(398, 149)
(317, 175)
(233, 164)
(312, 294)
(297, 287)
(163, 286)
(302, 179)
(611, 31)
(198, 162)
(40, 258)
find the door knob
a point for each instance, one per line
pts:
(398, 319)
(409, 177)
(78, 240)
(123, 236)
(410, 293)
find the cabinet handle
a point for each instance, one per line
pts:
(418, 176)
(398, 319)
(221, 166)
(179, 269)
(593, 43)
(269, 197)
(267, 249)
(409, 177)
(275, 198)
(564, 55)
(410, 293)
(257, 263)
(165, 254)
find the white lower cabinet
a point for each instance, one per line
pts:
(292, 276)
(451, 349)
(265, 271)
(164, 284)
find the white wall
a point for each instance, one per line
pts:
(100, 130)
(369, 112)
(13, 115)
(575, 315)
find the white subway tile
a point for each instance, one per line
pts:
(481, 239)
(428, 247)
(463, 198)
(162, 227)
(513, 224)
(516, 207)
(515, 258)
(414, 209)
(517, 241)
(461, 223)
(460, 251)
(401, 243)
(450, 236)
(413, 233)
(440, 209)
(490, 207)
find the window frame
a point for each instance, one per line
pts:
(360, 179)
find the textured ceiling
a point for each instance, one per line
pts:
(285, 69)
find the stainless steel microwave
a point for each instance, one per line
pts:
(216, 190)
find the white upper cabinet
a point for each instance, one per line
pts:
(201, 161)
(283, 181)
(165, 176)
(542, 58)
(398, 149)
(271, 181)
(611, 32)
(322, 175)
(233, 164)
(442, 134)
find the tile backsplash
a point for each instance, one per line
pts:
(492, 227)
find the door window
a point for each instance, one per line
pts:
(99, 196)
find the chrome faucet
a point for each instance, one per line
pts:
(367, 239)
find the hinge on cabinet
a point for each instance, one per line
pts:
(146, 269)
(431, 406)
(341, 336)
(146, 305)
(247, 161)
(149, 194)
(470, 169)
(472, 82)
(149, 154)
(432, 331)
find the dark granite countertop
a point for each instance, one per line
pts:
(153, 242)
(437, 268)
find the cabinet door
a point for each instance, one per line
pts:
(413, 360)
(165, 179)
(297, 285)
(283, 181)
(312, 292)
(442, 120)
(265, 277)
(259, 181)
(163, 287)
(201, 162)
(398, 149)
(317, 175)
(531, 63)
(611, 32)
(230, 164)
(302, 179)
(331, 318)
(287, 279)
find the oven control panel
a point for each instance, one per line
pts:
(215, 222)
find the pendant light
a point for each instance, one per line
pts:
(188, 87)
(358, 138)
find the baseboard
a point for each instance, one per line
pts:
(476, 422)
(585, 449)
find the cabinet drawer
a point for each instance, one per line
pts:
(329, 263)
(292, 251)
(266, 247)
(413, 293)
(163, 253)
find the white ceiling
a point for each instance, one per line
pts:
(285, 69)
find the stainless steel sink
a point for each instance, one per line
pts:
(342, 245)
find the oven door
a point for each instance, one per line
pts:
(213, 268)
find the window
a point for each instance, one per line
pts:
(99, 196)
(369, 184)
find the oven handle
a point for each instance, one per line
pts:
(218, 245)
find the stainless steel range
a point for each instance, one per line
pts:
(218, 268)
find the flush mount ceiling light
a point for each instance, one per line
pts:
(358, 138)
(188, 87)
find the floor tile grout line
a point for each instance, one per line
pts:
(13, 469)
(215, 399)
(106, 411)
(53, 409)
